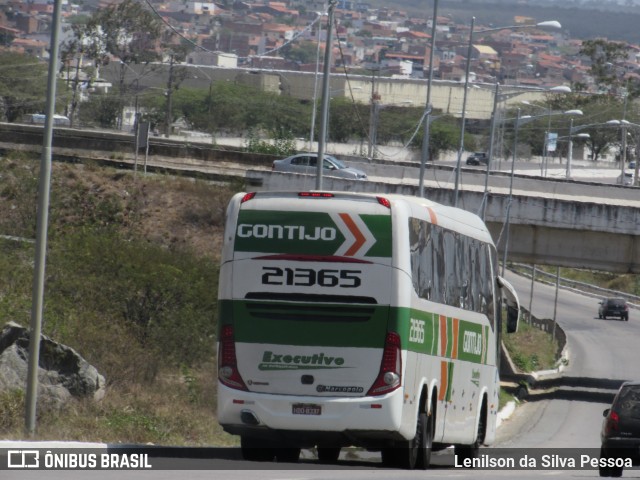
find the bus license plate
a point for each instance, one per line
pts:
(306, 409)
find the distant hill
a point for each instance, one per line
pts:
(601, 19)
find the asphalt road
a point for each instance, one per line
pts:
(602, 354)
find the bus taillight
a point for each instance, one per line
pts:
(227, 362)
(248, 196)
(390, 375)
(384, 202)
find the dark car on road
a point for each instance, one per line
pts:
(620, 434)
(308, 163)
(477, 158)
(614, 307)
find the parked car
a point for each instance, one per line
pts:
(614, 307)
(308, 163)
(626, 179)
(620, 434)
(477, 158)
(632, 164)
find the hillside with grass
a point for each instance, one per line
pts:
(131, 284)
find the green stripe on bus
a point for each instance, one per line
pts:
(421, 333)
(289, 323)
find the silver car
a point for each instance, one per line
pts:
(308, 163)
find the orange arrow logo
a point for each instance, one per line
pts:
(360, 239)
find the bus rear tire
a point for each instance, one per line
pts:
(415, 453)
(288, 455)
(464, 452)
(254, 450)
(328, 454)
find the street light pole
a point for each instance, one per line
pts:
(519, 120)
(169, 113)
(326, 71)
(40, 258)
(548, 24)
(513, 165)
(373, 128)
(623, 125)
(464, 113)
(315, 87)
(569, 150)
(427, 122)
(494, 112)
(375, 118)
(373, 114)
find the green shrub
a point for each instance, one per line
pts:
(283, 144)
(164, 300)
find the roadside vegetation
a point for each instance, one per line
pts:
(531, 349)
(131, 284)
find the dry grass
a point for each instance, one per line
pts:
(149, 398)
(169, 411)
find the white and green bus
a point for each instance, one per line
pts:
(358, 320)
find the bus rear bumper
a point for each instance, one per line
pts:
(362, 421)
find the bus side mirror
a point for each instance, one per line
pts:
(512, 319)
(513, 304)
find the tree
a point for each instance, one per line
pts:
(100, 111)
(23, 85)
(127, 31)
(605, 56)
(397, 123)
(304, 52)
(597, 110)
(346, 120)
(444, 135)
(72, 54)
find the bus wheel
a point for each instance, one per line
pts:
(290, 455)
(415, 453)
(328, 454)
(424, 452)
(472, 451)
(254, 450)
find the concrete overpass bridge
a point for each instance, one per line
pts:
(552, 222)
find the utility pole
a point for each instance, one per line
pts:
(424, 157)
(76, 85)
(326, 73)
(169, 116)
(44, 188)
(373, 112)
(464, 113)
